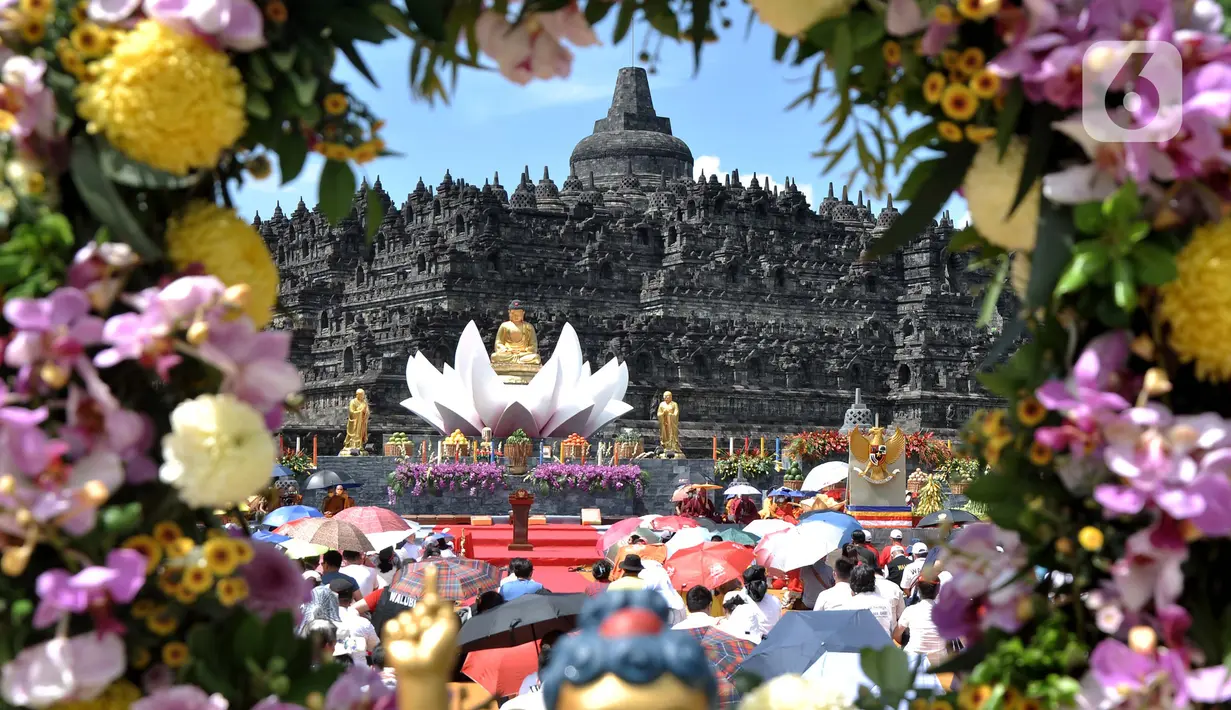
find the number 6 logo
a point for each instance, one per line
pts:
(1150, 75)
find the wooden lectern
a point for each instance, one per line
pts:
(521, 500)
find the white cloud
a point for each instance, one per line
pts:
(712, 165)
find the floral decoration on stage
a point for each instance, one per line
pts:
(813, 447)
(410, 478)
(750, 462)
(548, 477)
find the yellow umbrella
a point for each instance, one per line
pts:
(298, 549)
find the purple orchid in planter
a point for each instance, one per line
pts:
(416, 478)
(588, 477)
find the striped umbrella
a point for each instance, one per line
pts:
(458, 578)
(725, 653)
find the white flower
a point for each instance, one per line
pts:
(525, 51)
(792, 17)
(218, 452)
(63, 669)
(989, 187)
(794, 692)
(1089, 182)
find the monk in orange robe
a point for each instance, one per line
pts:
(337, 502)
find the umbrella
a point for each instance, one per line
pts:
(848, 524)
(371, 519)
(658, 553)
(686, 538)
(266, 536)
(785, 493)
(527, 618)
(793, 647)
(281, 471)
(648, 537)
(458, 579)
(617, 533)
(942, 517)
(707, 487)
(743, 537)
(680, 494)
(800, 546)
(673, 523)
(825, 475)
(766, 526)
(286, 528)
(298, 549)
(709, 565)
(725, 653)
(327, 479)
(842, 671)
(286, 514)
(332, 533)
(393, 538)
(499, 671)
(742, 489)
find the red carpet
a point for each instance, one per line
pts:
(556, 549)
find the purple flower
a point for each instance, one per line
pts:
(356, 689)
(61, 593)
(24, 446)
(181, 697)
(97, 423)
(146, 335)
(988, 588)
(23, 77)
(1151, 567)
(1089, 396)
(236, 24)
(273, 703)
(98, 271)
(52, 331)
(275, 582)
(1123, 674)
(904, 17)
(253, 363)
(64, 669)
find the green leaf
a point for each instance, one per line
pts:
(889, 669)
(1138, 231)
(624, 21)
(1089, 258)
(1124, 288)
(337, 190)
(1037, 150)
(1088, 217)
(292, 153)
(1012, 331)
(258, 106)
(21, 610)
(352, 55)
(842, 57)
(1006, 122)
(55, 228)
(866, 30)
(947, 174)
(429, 16)
(375, 213)
(596, 10)
(258, 73)
(305, 88)
(781, 44)
(965, 239)
(665, 22)
(1124, 205)
(105, 202)
(119, 520)
(1153, 264)
(919, 177)
(1052, 251)
(285, 59)
(391, 17)
(917, 138)
(247, 639)
(130, 173)
(10, 268)
(991, 296)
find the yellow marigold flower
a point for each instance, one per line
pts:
(978, 10)
(169, 580)
(33, 29)
(365, 153)
(185, 596)
(36, 8)
(230, 249)
(336, 151)
(243, 550)
(79, 12)
(1030, 411)
(335, 104)
(167, 533)
(973, 697)
(162, 624)
(198, 579)
(1040, 454)
(985, 84)
(275, 11)
(934, 87)
(949, 131)
(259, 167)
(175, 654)
(944, 15)
(979, 134)
(231, 591)
(140, 659)
(74, 64)
(948, 59)
(89, 39)
(990, 185)
(1197, 304)
(1090, 538)
(166, 99)
(181, 548)
(219, 556)
(143, 609)
(892, 52)
(971, 60)
(215, 534)
(995, 447)
(959, 102)
(148, 547)
(992, 422)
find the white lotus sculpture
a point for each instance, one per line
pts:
(563, 398)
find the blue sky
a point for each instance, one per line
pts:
(732, 113)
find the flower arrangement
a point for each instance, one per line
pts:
(816, 446)
(750, 462)
(299, 462)
(418, 478)
(588, 477)
(627, 436)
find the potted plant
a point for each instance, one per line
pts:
(628, 445)
(396, 445)
(959, 471)
(517, 447)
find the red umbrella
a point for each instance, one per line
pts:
(287, 528)
(371, 519)
(615, 534)
(709, 565)
(500, 671)
(673, 523)
(332, 533)
(725, 654)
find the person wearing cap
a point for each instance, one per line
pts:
(892, 550)
(632, 568)
(910, 574)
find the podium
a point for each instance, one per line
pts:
(520, 502)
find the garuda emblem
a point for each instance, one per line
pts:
(875, 453)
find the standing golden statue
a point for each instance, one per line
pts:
(358, 413)
(875, 453)
(669, 424)
(516, 356)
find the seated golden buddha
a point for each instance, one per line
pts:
(516, 356)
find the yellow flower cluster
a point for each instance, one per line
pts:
(120, 695)
(990, 431)
(1197, 304)
(165, 98)
(230, 249)
(958, 92)
(930, 704)
(186, 571)
(87, 41)
(976, 697)
(30, 19)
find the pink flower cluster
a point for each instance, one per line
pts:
(419, 478)
(534, 48)
(988, 588)
(588, 477)
(233, 24)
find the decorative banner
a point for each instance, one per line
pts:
(882, 516)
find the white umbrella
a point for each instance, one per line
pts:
(843, 672)
(688, 537)
(798, 547)
(825, 475)
(766, 526)
(298, 549)
(742, 489)
(647, 519)
(392, 538)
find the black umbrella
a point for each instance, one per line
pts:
(794, 646)
(527, 618)
(941, 517)
(327, 479)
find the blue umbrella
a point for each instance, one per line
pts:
(794, 646)
(785, 493)
(284, 515)
(281, 471)
(841, 521)
(267, 536)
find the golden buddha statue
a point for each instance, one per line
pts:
(357, 415)
(516, 356)
(669, 423)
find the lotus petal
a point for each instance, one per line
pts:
(514, 418)
(575, 423)
(541, 395)
(614, 411)
(426, 411)
(601, 386)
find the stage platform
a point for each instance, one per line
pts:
(557, 547)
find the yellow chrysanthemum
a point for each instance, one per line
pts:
(230, 249)
(979, 134)
(335, 104)
(140, 659)
(73, 63)
(1090, 538)
(167, 532)
(973, 697)
(36, 8)
(220, 557)
(892, 52)
(985, 84)
(934, 87)
(365, 153)
(948, 59)
(243, 551)
(117, 696)
(197, 579)
(1197, 304)
(944, 15)
(175, 654)
(978, 10)
(1031, 412)
(33, 29)
(79, 13)
(959, 102)
(949, 131)
(89, 39)
(971, 60)
(143, 608)
(990, 186)
(231, 591)
(1039, 454)
(335, 151)
(161, 624)
(166, 99)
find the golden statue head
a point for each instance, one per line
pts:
(360, 395)
(667, 396)
(517, 312)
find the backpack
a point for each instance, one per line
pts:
(893, 570)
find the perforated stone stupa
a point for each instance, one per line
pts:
(759, 311)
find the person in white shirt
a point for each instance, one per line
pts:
(388, 564)
(910, 575)
(353, 625)
(816, 578)
(698, 600)
(864, 596)
(364, 576)
(656, 578)
(764, 610)
(923, 638)
(841, 589)
(892, 592)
